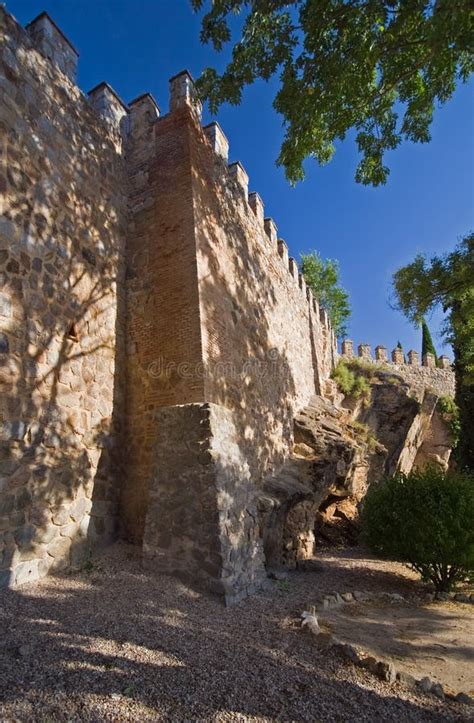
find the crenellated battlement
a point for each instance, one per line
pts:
(397, 356)
(438, 377)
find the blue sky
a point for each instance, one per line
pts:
(426, 206)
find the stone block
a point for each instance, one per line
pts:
(370, 663)
(59, 548)
(349, 652)
(26, 572)
(183, 93)
(406, 679)
(256, 204)
(110, 106)
(238, 173)
(283, 251)
(271, 231)
(324, 641)
(61, 515)
(217, 139)
(347, 348)
(184, 497)
(398, 357)
(437, 690)
(429, 360)
(364, 351)
(464, 699)
(386, 671)
(5, 306)
(53, 44)
(425, 684)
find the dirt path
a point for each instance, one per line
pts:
(435, 640)
(118, 644)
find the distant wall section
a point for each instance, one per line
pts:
(438, 378)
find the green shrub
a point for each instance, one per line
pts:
(349, 382)
(344, 378)
(361, 387)
(425, 519)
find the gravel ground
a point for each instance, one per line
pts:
(116, 644)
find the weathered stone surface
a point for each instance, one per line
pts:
(201, 521)
(349, 652)
(426, 684)
(386, 671)
(464, 698)
(370, 663)
(406, 679)
(325, 640)
(437, 690)
(66, 156)
(340, 466)
(26, 572)
(59, 548)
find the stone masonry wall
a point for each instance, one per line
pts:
(156, 340)
(214, 312)
(163, 326)
(262, 349)
(62, 234)
(267, 348)
(439, 379)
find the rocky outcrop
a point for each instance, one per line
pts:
(405, 418)
(334, 460)
(341, 446)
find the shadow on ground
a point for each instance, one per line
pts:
(114, 644)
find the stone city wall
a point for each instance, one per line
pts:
(437, 378)
(146, 305)
(216, 310)
(62, 234)
(255, 346)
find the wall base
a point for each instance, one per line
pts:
(201, 523)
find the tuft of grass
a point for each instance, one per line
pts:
(90, 565)
(349, 382)
(283, 585)
(367, 434)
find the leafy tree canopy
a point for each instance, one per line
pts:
(322, 277)
(447, 281)
(376, 66)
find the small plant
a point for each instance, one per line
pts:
(283, 585)
(425, 519)
(344, 378)
(368, 435)
(450, 413)
(361, 387)
(349, 382)
(90, 565)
